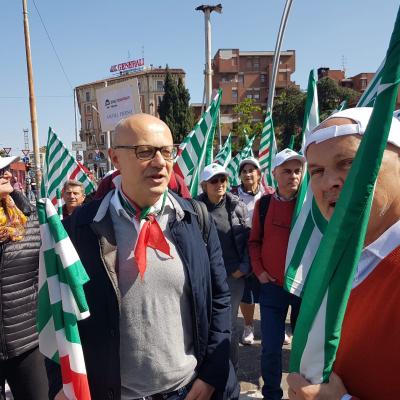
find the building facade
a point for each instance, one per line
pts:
(247, 74)
(151, 91)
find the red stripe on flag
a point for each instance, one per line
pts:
(178, 171)
(75, 173)
(79, 381)
(263, 153)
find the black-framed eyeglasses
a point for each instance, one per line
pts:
(218, 178)
(147, 152)
(4, 170)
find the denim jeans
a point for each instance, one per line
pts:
(274, 303)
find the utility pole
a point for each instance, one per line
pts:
(108, 143)
(207, 10)
(282, 27)
(32, 100)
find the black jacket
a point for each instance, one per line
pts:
(240, 228)
(19, 266)
(96, 246)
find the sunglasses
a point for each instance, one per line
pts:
(4, 170)
(216, 179)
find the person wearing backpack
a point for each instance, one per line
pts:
(230, 217)
(268, 243)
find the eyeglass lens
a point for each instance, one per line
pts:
(221, 179)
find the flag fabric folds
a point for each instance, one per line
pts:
(195, 151)
(267, 152)
(233, 166)
(330, 279)
(224, 156)
(59, 166)
(61, 302)
(307, 222)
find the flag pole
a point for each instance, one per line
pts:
(277, 54)
(32, 99)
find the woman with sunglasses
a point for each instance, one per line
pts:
(230, 217)
(21, 363)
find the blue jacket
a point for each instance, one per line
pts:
(96, 246)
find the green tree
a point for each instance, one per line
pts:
(330, 95)
(288, 114)
(245, 112)
(174, 108)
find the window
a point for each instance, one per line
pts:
(89, 124)
(159, 86)
(256, 95)
(87, 96)
(249, 63)
(234, 94)
(262, 78)
(88, 109)
(241, 79)
(225, 78)
(249, 95)
(363, 83)
(256, 63)
(102, 139)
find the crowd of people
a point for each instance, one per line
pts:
(168, 274)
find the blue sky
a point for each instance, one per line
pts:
(92, 35)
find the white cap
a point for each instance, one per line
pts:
(249, 160)
(5, 161)
(286, 155)
(360, 116)
(212, 170)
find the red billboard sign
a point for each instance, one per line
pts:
(133, 64)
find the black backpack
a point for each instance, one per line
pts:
(264, 205)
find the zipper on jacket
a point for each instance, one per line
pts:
(2, 335)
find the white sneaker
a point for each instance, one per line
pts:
(287, 340)
(248, 335)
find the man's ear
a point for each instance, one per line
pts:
(113, 157)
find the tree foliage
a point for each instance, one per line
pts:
(246, 125)
(288, 114)
(174, 108)
(330, 95)
(289, 106)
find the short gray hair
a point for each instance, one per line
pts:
(73, 182)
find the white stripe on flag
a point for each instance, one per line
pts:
(73, 350)
(66, 251)
(47, 340)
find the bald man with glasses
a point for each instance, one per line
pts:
(159, 302)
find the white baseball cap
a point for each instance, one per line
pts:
(5, 161)
(360, 116)
(212, 170)
(249, 160)
(286, 155)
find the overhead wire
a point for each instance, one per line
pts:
(52, 45)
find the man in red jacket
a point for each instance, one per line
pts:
(267, 247)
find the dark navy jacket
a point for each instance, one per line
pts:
(96, 246)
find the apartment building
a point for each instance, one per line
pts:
(247, 74)
(151, 91)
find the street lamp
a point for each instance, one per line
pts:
(207, 10)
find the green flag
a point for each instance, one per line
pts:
(329, 281)
(225, 154)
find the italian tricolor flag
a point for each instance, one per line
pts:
(61, 302)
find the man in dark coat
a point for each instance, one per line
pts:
(158, 297)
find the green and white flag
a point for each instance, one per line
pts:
(233, 166)
(267, 152)
(61, 302)
(196, 150)
(311, 113)
(224, 156)
(307, 222)
(330, 279)
(59, 166)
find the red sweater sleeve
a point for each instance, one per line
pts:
(255, 242)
